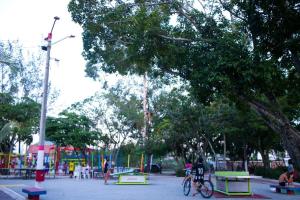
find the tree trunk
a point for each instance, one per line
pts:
(279, 123)
(245, 157)
(264, 154)
(265, 158)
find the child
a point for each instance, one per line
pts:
(199, 176)
(188, 168)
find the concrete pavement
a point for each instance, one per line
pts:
(160, 187)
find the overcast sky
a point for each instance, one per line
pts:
(29, 21)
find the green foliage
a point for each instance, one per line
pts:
(19, 120)
(71, 129)
(180, 172)
(20, 75)
(269, 173)
(20, 84)
(252, 58)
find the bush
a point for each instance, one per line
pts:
(268, 172)
(180, 172)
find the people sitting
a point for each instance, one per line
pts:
(286, 178)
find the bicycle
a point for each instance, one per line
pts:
(206, 189)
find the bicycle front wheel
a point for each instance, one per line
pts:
(207, 189)
(187, 187)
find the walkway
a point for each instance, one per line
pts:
(161, 187)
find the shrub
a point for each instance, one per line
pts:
(268, 172)
(180, 172)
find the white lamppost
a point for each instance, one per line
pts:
(40, 173)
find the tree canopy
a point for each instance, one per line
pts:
(247, 51)
(20, 90)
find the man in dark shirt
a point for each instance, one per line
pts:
(199, 175)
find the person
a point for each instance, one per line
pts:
(106, 171)
(65, 168)
(286, 178)
(71, 169)
(188, 169)
(77, 171)
(87, 171)
(47, 167)
(199, 175)
(290, 166)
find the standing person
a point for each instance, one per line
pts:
(65, 168)
(71, 169)
(290, 166)
(106, 171)
(199, 176)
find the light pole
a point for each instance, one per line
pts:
(40, 173)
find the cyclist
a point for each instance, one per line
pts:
(199, 175)
(188, 170)
(188, 167)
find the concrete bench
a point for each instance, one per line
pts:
(34, 193)
(286, 189)
(234, 182)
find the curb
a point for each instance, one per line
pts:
(14, 195)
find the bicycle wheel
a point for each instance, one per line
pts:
(187, 187)
(207, 189)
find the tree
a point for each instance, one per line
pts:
(19, 93)
(234, 56)
(70, 129)
(117, 113)
(18, 121)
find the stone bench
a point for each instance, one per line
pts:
(34, 193)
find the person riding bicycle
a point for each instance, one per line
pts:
(188, 168)
(199, 175)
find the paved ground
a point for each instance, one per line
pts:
(3, 195)
(160, 188)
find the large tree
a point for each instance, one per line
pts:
(70, 129)
(20, 84)
(245, 50)
(117, 112)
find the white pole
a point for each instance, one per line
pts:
(40, 176)
(145, 107)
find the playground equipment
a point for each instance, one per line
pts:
(60, 158)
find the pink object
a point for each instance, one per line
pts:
(188, 166)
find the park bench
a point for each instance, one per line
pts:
(285, 189)
(34, 193)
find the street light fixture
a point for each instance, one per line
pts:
(40, 173)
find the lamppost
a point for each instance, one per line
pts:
(40, 173)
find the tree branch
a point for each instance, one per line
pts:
(296, 61)
(176, 38)
(230, 11)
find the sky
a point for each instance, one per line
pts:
(29, 21)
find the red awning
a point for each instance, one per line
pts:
(34, 149)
